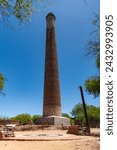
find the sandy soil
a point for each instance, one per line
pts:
(66, 142)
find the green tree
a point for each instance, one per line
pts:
(1, 82)
(35, 118)
(92, 84)
(21, 10)
(23, 118)
(92, 111)
(66, 115)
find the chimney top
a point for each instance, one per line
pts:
(50, 14)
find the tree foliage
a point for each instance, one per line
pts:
(35, 118)
(93, 45)
(1, 82)
(23, 118)
(92, 111)
(92, 84)
(66, 115)
(21, 10)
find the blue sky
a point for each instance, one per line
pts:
(22, 55)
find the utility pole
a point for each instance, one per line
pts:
(85, 110)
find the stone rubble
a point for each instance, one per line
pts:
(78, 130)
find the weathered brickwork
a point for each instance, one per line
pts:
(49, 109)
(52, 100)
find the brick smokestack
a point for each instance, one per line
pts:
(52, 100)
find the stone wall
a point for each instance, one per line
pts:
(39, 127)
(54, 120)
(8, 121)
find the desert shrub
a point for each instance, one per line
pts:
(35, 118)
(92, 111)
(23, 118)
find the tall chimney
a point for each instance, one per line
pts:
(52, 100)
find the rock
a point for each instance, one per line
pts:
(1, 135)
(78, 130)
(73, 130)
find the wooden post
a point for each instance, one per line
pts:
(85, 110)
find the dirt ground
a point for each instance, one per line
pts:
(65, 142)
